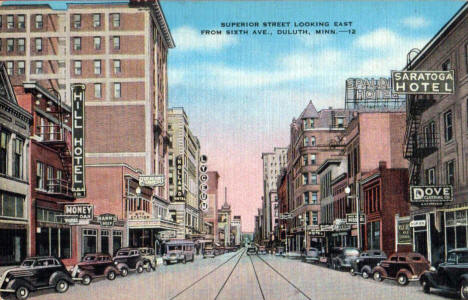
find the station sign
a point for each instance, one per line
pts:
(107, 220)
(352, 219)
(78, 138)
(418, 223)
(431, 195)
(423, 82)
(78, 214)
(180, 194)
(151, 180)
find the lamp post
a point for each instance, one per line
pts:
(305, 230)
(347, 192)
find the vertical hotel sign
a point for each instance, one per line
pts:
(180, 195)
(78, 152)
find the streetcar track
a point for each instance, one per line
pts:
(282, 276)
(207, 274)
(256, 276)
(229, 276)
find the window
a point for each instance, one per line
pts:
(306, 141)
(304, 123)
(312, 123)
(117, 66)
(21, 45)
(38, 44)
(448, 122)
(446, 66)
(10, 68)
(450, 172)
(21, 21)
(76, 21)
(39, 69)
(21, 67)
(313, 178)
(312, 140)
(340, 122)
(38, 22)
(97, 67)
(1, 21)
(12, 205)
(10, 45)
(306, 198)
(314, 218)
(40, 175)
(117, 91)
(97, 43)
(4, 139)
(10, 22)
(314, 198)
(50, 178)
(116, 20)
(18, 158)
(305, 178)
(313, 159)
(0, 42)
(116, 42)
(77, 67)
(96, 20)
(97, 90)
(430, 176)
(77, 43)
(304, 160)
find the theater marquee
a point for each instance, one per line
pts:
(78, 150)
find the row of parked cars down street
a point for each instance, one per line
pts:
(211, 251)
(48, 272)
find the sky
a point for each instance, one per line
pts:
(241, 92)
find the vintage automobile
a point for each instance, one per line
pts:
(209, 251)
(261, 250)
(450, 276)
(129, 259)
(179, 251)
(94, 265)
(279, 251)
(340, 258)
(35, 273)
(311, 256)
(251, 250)
(402, 267)
(366, 261)
(149, 258)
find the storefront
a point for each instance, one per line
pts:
(428, 236)
(97, 238)
(53, 236)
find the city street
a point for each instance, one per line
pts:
(234, 276)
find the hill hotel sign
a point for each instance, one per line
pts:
(423, 82)
(78, 152)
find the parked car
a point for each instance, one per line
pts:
(279, 251)
(149, 258)
(402, 267)
(311, 256)
(128, 259)
(340, 258)
(179, 251)
(261, 250)
(35, 273)
(94, 265)
(366, 261)
(450, 276)
(209, 251)
(251, 250)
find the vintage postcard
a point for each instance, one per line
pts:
(244, 150)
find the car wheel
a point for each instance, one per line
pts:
(351, 271)
(22, 293)
(124, 272)
(464, 290)
(111, 275)
(61, 286)
(140, 269)
(402, 279)
(377, 276)
(148, 267)
(425, 286)
(86, 280)
(365, 274)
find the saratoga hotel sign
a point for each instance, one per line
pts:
(78, 152)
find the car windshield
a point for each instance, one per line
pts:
(458, 257)
(122, 253)
(27, 263)
(174, 248)
(351, 252)
(89, 258)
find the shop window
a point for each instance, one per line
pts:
(4, 139)
(18, 158)
(105, 241)
(448, 123)
(89, 237)
(116, 241)
(54, 241)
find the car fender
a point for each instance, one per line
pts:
(55, 277)
(85, 272)
(429, 277)
(408, 273)
(366, 268)
(139, 263)
(463, 277)
(122, 265)
(111, 268)
(16, 283)
(380, 270)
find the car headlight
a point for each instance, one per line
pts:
(115, 263)
(357, 260)
(7, 279)
(378, 264)
(432, 269)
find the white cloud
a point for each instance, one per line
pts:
(379, 39)
(187, 38)
(415, 22)
(176, 76)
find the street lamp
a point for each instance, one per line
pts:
(347, 192)
(305, 230)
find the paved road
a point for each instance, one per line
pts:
(239, 276)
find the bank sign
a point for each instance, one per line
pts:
(78, 152)
(423, 82)
(431, 195)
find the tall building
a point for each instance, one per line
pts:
(211, 215)
(437, 141)
(224, 222)
(185, 147)
(272, 164)
(236, 228)
(309, 147)
(15, 226)
(119, 52)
